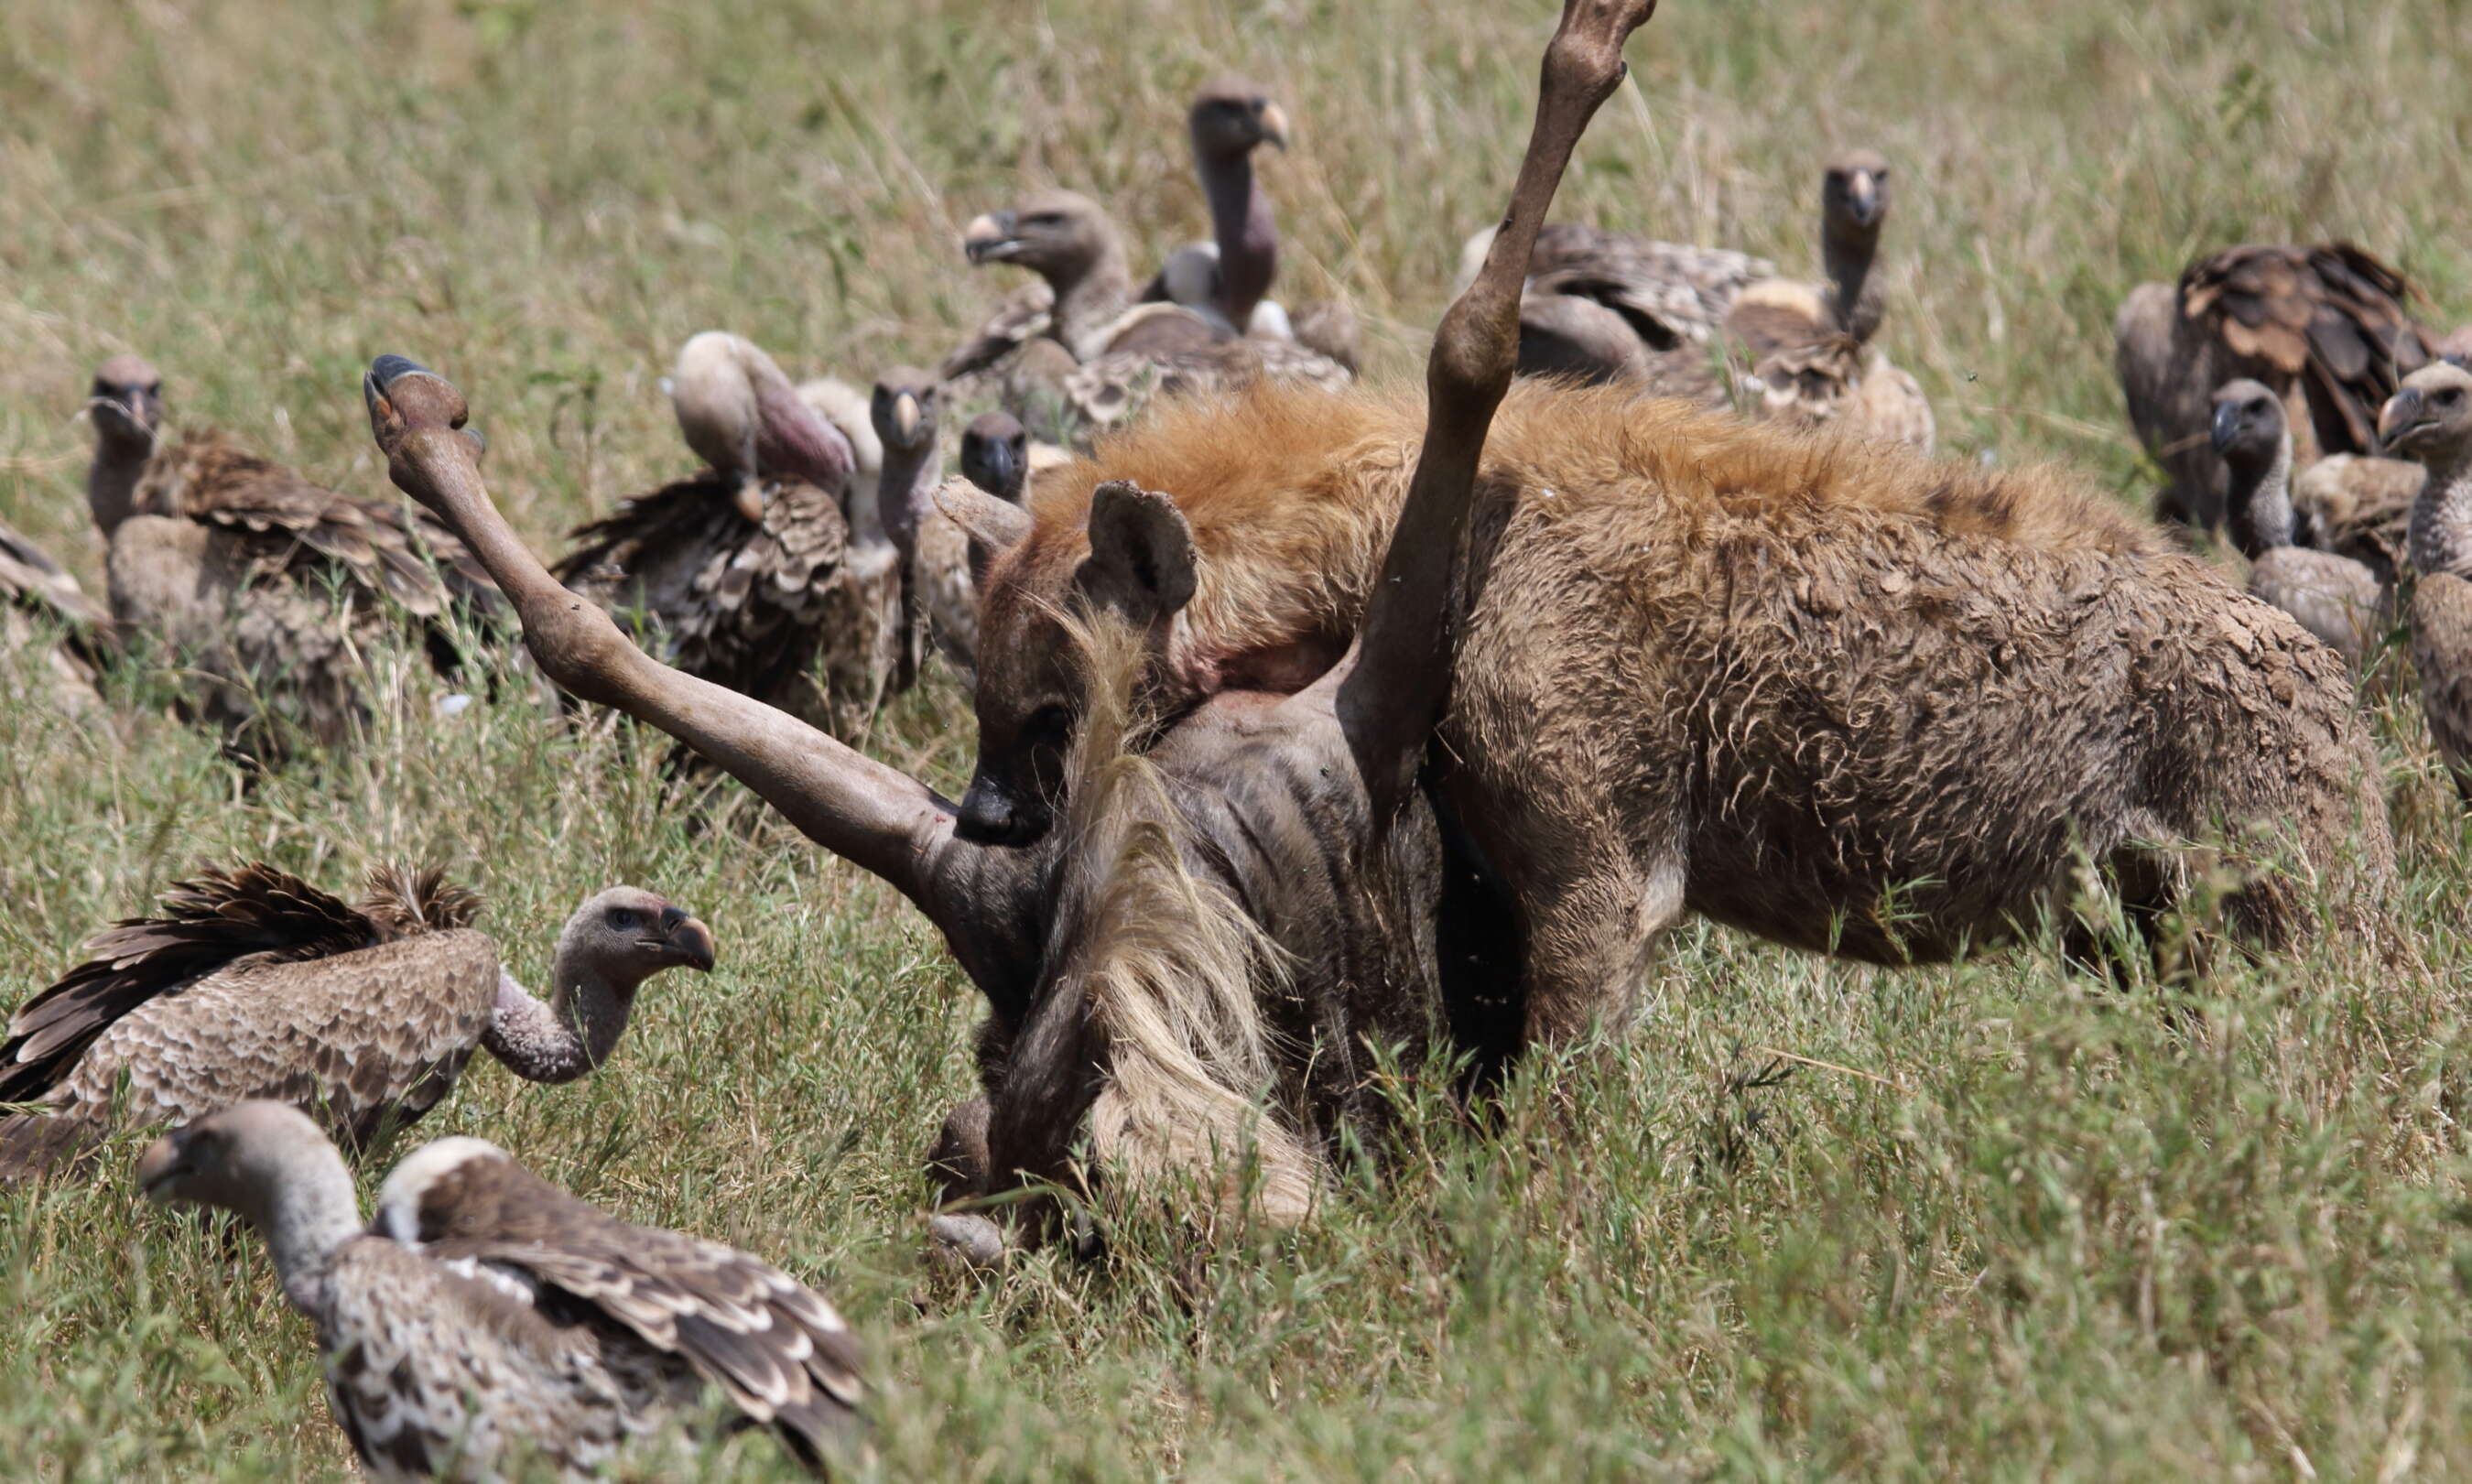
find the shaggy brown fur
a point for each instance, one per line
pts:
(1829, 692)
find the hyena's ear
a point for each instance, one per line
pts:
(1141, 554)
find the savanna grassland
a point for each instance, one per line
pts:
(1993, 1220)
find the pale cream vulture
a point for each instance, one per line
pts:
(485, 1322)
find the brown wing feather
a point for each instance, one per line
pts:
(30, 580)
(400, 901)
(774, 1346)
(1024, 315)
(209, 921)
(288, 522)
(359, 1040)
(743, 604)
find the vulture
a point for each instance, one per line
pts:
(1601, 306)
(1808, 345)
(486, 1323)
(2360, 504)
(766, 573)
(2325, 328)
(1075, 354)
(41, 603)
(2430, 420)
(1227, 279)
(937, 591)
(267, 587)
(995, 455)
(2341, 601)
(253, 983)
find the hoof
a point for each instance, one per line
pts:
(967, 1244)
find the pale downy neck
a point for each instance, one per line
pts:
(2440, 534)
(111, 484)
(907, 489)
(1246, 234)
(2259, 498)
(304, 1216)
(1847, 250)
(1089, 303)
(575, 1031)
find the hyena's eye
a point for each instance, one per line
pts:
(1048, 726)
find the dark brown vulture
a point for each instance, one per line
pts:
(486, 1323)
(254, 984)
(768, 571)
(2324, 328)
(2430, 419)
(266, 588)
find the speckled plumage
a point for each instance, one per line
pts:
(253, 984)
(2441, 651)
(772, 1346)
(1841, 384)
(764, 607)
(2327, 328)
(271, 589)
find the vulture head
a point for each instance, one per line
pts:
(127, 402)
(628, 934)
(746, 418)
(903, 409)
(238, 1159)
(2430, 419)
(1231, 118)
(1854, 197)
(995, 455)
(1057, 235)
(2249, 428)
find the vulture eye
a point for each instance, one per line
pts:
(2451, 396)
(626, 919)
(1041, 218)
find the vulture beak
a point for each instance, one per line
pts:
(160, 1165)
(2402, 418)
(905, 418)
(1863, 198)
(1275, 125)
(2227, 430)
(687, 940)
(749, 499)
(991, 238)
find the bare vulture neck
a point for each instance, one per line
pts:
(575, 1031)
(1847, 251)
(1090, 301)
(1246, 234)
(307, 1214)
(2442, 518)
(2260, 501)
(906, 490)
(111, 484)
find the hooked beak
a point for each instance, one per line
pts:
(688, 940)
(991, 238)
(162, 1164)
(749, 499)
(2227, 428)
(905, 418)
(1862, 199)
(2403, 416)
(1275, 125)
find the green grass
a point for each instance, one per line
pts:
(1999, 1221)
